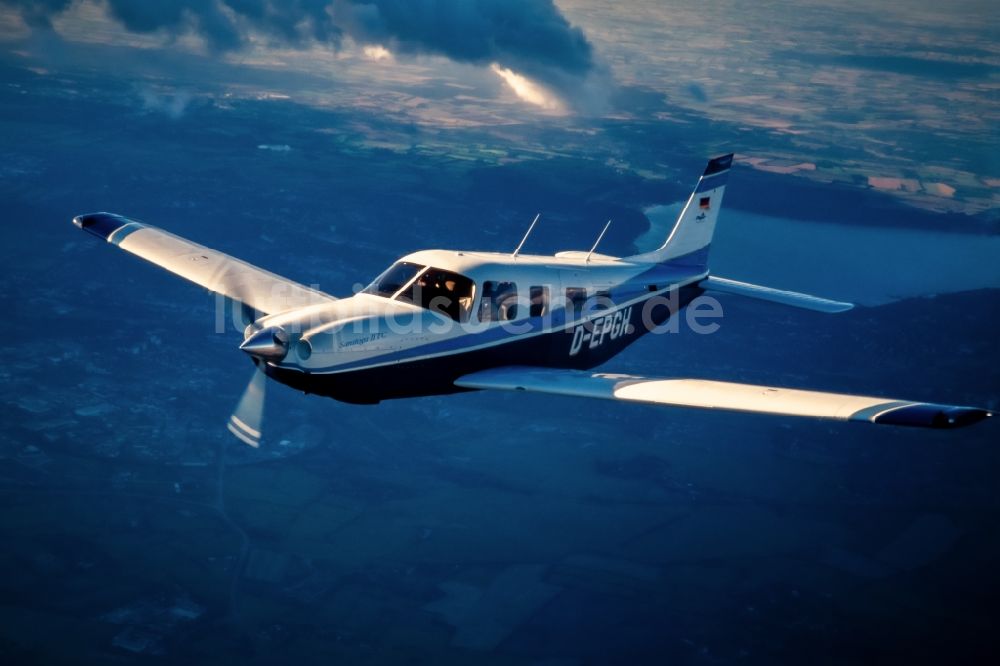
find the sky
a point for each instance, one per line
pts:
(531, 39)
(901, 97)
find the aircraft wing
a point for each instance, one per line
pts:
(724, 395)
(217, 272)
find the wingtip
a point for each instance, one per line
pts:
(928, 415)
(100, 224)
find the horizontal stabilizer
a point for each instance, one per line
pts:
(792, 298)
(708, 394)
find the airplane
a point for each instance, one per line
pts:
(446, 321)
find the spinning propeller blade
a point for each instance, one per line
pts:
(245, 422)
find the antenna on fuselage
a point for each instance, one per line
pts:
(528, 233)
(598, 241)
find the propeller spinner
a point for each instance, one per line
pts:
(269, 344)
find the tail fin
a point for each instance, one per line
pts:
(691, 236)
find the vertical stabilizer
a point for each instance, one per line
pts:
(691, 237)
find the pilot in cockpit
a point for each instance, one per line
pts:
(446, 293)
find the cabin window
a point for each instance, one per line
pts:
(575, 298)
(539, 297)
(600, 301)
(499, 301)
(443, 292)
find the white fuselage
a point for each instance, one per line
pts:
(594, 305)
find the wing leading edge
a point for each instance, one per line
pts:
(708, 394)
(217, 272)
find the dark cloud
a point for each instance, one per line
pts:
(225, 24)
(175, 16)
(290, 20)
(530, 36)
(38, 13)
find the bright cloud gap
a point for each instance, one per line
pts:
(529, 91)
(377, 52)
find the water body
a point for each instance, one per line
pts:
(864, 265)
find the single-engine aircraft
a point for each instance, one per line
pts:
(444, 321)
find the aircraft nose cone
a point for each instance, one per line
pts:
(269, 343)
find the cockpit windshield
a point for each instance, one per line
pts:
(393, 279)
(436, 289)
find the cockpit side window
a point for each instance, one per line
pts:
(436, 289)
(442, 291)
(393, 279)
(499, 302)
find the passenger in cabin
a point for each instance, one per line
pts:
(499, 302)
